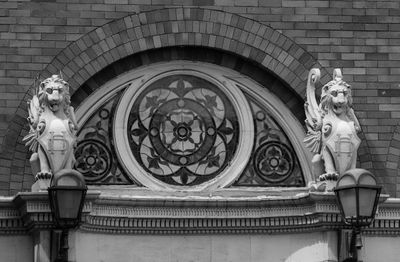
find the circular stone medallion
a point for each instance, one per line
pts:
(182, 130)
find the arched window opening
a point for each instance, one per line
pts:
(189, 126)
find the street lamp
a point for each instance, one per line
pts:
(357, 194)
(67, 193)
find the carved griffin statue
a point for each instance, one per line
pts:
(52, 128)
(332, 127)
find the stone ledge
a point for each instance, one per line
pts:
(133, 211)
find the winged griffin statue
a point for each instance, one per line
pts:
(52, 128)
(332, 127)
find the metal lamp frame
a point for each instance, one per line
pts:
(62, 225)
(358, 221)
(65, 223)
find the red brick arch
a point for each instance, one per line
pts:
(152, 30)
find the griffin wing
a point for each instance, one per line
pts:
(33, 119)
(72, 118)
(313, 114)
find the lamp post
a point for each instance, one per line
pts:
(357, 194)
(67, 193)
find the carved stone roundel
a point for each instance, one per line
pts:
(181, 130)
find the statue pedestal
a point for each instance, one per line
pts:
(40, 185)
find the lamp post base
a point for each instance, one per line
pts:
(356, 243)
(61, 245)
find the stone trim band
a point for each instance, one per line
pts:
(118, 214)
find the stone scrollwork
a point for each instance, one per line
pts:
(332, 127)
(52, 128)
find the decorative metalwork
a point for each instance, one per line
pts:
(94, 153)
(183, 130)
(94, 159)
(273, 162)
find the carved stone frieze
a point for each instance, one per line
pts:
(160, 212)
(204, 225)
(305, 212)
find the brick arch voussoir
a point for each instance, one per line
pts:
(393, 158)
(14, 154)
(184, 26)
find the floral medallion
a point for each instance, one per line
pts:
(183, 130)
(273, 162)
(93, 159)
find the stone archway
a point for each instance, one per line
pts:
(157, 29)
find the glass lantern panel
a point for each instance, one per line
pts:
(367, 201)
(346, 180)
(68, 180)
(68, 202)
(367, 180)
(349, 202)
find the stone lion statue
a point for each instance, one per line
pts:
(52, 128)
(332, 127)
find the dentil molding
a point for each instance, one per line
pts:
(137, 211)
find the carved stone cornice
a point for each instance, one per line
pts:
(10, 219)
(34, 210)
(229, 212)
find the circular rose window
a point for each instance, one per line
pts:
(183, 130)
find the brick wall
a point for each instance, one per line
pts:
(361, 37)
